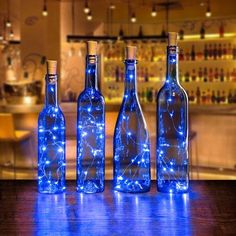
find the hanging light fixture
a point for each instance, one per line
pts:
(86, 7)
(112, 6)
(11, 34)
(8, 22)
(154, 11)
(89, 16)
(45, 10)
(208, 10)
(133, 18)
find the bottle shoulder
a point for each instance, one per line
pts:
(172, 88)
(51, 111)
(92, 95)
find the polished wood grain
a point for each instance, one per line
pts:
(208, 209)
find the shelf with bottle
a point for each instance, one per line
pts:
(208, 52)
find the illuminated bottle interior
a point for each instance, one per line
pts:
(131, 139)
(172, 127)
(51, 138)
(90, 129)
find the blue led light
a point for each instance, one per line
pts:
(51, 142)
(172, 131)
(91, 134)
(131, 140)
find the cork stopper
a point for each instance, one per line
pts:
(131, 52)
(172, 38)
(51, 67)
(92, 48)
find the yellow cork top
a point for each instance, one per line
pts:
(92, 48)
(172, 38)
(51, 67)
(131, 52)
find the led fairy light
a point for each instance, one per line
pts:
(91, 130)
(172, 128)
(131, 139)
(51, 139)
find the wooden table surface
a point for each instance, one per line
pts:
(208, 209)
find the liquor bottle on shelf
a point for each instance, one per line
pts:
(200, 74)
(223, 98)
(208, 96)
(219, 51)
(218, 96)
(222, 75)
(131, 138)
(205, 52)
(204, 97)
(198, 96)
(224, 51)
(146, 76)
(229, 51)
(205, 79)
(221, 30)
(187, 55)
(230, 97)
(193, 53)
(202, 32)
(117, 73)
(210, 75)
(193, 75)
(51, 138)
(187, 76)
(172, 128)
(181, 55)
(90, 129)
(234, 52)
(213, 97)
(210, 51)
(215, 52)
(216, 75)
(181, 34)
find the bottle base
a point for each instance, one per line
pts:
(172, 186)
(129, 186)
(90, 186)
(51, 189)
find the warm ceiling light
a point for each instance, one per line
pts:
(154, 11)
(86, 8)
(208, 11)
(112, 6)
(8, 23)
(45, 10)
(1, 37)
(11, 34)
(133, 18)
(89, 16)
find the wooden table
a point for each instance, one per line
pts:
(208, 209)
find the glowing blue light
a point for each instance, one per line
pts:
(90, 134)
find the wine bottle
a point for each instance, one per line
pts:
(172, 128)
(51, 138)
(131, 138)
(91, 129)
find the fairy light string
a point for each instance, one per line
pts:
(172, 150)
(131, 140)
(51, 142)
(91, 134)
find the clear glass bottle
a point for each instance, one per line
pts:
(91, 130)
(131, 139)
(51, 139)
(172, 128)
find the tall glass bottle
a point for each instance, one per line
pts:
(131, 139)
(51, 139)
(91, 130)
(172, 127)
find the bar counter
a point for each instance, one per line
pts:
(208, 209)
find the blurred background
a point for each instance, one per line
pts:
(33, 31)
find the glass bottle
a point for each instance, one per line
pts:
(172, 127)
(51, 139)
(90, 130)
(131, 138)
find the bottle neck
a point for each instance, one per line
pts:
(130, 77)
(51, 90)
(172, 72)
(91, 72)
